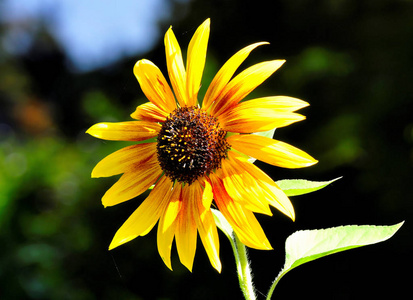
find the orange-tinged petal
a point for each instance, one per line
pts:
(125, 131)
(244, 83)
(271, 151)
(154, 85)
(128, 159)
(225, 73)
(265, 186)
(196, 61)
(132, 184)
(149, 112)
(242, 220)
(176, 69)
(186, 231)
(146, 215)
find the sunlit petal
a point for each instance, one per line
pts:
(244, 83)
(149, 112)
(125, 131)
(173, 208)
(145, 216)
(154, 85)
(132, 184)
(167, 225)
(186, 231)
(271, 151)
(128, 159)
(225, 73)
(262, 114)
(242, 187)
(196, 61)
(265, 186)
(176, 68)
(206, 224)
(207, 195)
(242, 220)
(279, 103)
(255, 119)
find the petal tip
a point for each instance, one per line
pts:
(113, 246)
(218, 266)
(91, 129)
(167, 262)
(312, 162)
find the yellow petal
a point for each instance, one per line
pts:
(209, 237)
(176, 69)
(268, 189)
(164, 242)
(207, 195)
(242, 187)
(255, 119)
(154, 85)
(225, 73)
(262, 114)
(242, 220)
(275, 196)
(173, 208)
(196, 61)
(167, 225)
(186, 231)
(132, 184)
(125, 131)
(145, 216)
(244, 83)
(206, 225)
(128, 159)
(149, 112)
(271, 151)
(279, 103)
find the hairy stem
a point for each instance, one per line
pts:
(243, 269)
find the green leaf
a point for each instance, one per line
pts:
(307, 245)
(295, 187)
(268, 134)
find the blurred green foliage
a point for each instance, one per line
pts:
(352, 60)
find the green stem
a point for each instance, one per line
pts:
(243, 268)
(273, 285)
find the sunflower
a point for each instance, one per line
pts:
(195, 154)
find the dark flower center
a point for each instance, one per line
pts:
(190, 144)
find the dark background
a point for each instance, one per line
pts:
(352, 60)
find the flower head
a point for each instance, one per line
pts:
(202, 153)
